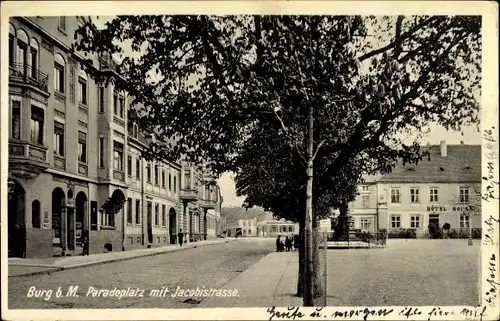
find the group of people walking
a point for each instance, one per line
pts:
(289, 244)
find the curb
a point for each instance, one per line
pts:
(70, 267)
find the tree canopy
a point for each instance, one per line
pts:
(234, 91)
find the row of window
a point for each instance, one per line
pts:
(37, 123)
(136, 219)
(139, 240)
(24, 57)
(433, 195)
(59, 142)
(249, 223)
(282, 228)
(172, 178)
(416, 220)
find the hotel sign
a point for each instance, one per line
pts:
(444, 208)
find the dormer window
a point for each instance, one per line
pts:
(468, 168)
(410, 169)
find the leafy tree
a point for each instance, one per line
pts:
(214, 83)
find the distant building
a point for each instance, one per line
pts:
(273, 228)
(443, 188)
(243, 222)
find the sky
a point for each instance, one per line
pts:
(468, 135)
(436, 135)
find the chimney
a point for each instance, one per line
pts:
(443, 148)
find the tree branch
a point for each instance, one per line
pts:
(398, 41)
(289, 137)
(318, 147)
(403, 37)
(357, 134)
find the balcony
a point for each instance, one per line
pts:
(24, 74)
(187, 194)
(27, 159)
(208, 204)
(108, 63)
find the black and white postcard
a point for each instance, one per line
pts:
(250, 160)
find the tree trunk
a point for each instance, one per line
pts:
(318, 287)
(308, 271)
(302, 262)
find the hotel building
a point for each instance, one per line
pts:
(442, 188)
(75, 165)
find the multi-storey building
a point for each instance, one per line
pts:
(364, 208)
(75, 165)
(256, 222)
(443, 188)
(201, 199)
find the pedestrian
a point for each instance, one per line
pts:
(278, 243)
(180, 236)
(296, 242)
(288, 243)
(85, 246)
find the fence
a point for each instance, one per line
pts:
(357, 239)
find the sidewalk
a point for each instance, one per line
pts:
(270, 282)
(27, 267)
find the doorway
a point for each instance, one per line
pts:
(81, 228)
(172, 221)
(16, 221)
(150, 222)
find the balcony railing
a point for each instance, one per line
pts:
(107, 62)
(27, 150)
(22, 153)
(27, 74)
(208, 203)
(189, 194)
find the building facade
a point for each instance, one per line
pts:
(443, 188)
(75, 165)
(273, 228)
(364, 208)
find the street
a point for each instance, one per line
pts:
(208, 266)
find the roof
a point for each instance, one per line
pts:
(461, 164)
(233, 214)
(369, 179)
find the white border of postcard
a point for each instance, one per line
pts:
(490, 280)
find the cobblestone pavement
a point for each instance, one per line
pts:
(209, 266)
(407, 273)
